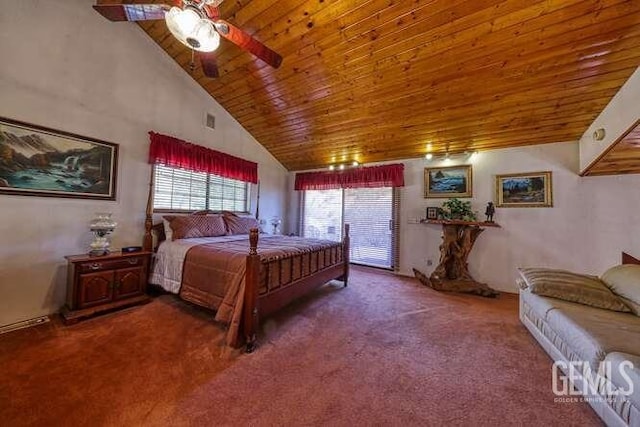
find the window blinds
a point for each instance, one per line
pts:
(183, 190)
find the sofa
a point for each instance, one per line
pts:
(590, 326)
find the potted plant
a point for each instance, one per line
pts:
(457, 209)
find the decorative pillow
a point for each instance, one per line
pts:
(568, 286)
(624, 281)
(188, 226)
(240, 224)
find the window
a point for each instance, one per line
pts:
(183, 190)
(371, 213)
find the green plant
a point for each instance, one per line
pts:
(457, 209)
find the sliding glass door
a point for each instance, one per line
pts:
(370, 213)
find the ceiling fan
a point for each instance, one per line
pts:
(197, 25)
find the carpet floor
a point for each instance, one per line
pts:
(383, 351)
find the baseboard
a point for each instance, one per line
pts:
(24, 324)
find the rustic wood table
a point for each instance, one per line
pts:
(452, 273)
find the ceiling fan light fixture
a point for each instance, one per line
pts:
(192, 30)
(182, 23)
(204, 37)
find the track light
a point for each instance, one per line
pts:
(343, 166)
(449, 157)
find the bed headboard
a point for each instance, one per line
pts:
(628, 259)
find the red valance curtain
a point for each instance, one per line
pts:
(363, 177)
(177, 153)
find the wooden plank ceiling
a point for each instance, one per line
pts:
(373, 80)
(622, 157)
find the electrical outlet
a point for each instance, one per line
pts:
(429, 262)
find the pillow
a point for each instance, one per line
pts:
(624, 281)
(240, 224)
(188, 226)
(573, 287)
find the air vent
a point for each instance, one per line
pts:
(24, 324)
(211, 121)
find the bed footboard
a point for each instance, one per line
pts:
(254, 306)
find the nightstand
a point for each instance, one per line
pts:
(103, 283)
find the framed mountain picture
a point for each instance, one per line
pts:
(39, 161)
(524, 190)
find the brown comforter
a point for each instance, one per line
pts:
(213, 273)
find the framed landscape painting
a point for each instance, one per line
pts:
(524, 190)
(38, 161)
(450, 181)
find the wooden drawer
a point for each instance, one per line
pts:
(112, 264)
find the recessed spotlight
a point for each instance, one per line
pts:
(429, 156)
(331, 167)
(341, 167)
(355, 163)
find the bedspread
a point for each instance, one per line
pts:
(214, 273)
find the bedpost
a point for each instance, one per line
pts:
(250, 312)
(147, 242)
(345, 255)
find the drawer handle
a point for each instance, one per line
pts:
(133, 261)
(95, 266)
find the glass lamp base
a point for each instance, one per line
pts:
(99, 252)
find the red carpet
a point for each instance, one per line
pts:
(384, 351)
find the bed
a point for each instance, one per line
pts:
(245, 277)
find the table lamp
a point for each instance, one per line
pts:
(101, 226)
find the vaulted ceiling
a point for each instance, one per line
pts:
(373, 80)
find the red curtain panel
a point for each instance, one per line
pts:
(362, 177)
(174, 152)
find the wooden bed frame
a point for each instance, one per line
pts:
(258, 306)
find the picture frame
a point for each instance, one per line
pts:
(432, 212)
(448, 181)
(40, 161)
(524, 190)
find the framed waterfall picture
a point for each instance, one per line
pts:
(38, 161)
(524, 190)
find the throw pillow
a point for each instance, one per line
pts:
(573, 287)
(240, 224)
(189, 226)
(624, 281)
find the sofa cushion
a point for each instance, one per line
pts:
(542, 306)
(573, 287)
(591, 333)
(624, 281)
(615, 374)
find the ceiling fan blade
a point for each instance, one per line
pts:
(248, 43)
(208, 62)
(132, 12)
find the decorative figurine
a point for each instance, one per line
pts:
(490, 211)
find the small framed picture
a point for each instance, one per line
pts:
(432, 212)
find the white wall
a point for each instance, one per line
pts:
(593, 219)
(618, 116)
(66, 67)
(591, 222)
